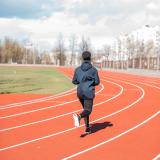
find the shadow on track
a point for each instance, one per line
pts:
(95, 127)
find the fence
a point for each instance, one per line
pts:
(151, 63)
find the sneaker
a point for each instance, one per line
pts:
(76, 119)
(88, 130)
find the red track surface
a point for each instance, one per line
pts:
(125, 122)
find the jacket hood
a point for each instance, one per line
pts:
(86, 65)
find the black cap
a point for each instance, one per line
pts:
(86, 55)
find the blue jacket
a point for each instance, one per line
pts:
(86, 77)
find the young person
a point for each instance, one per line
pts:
(86, 77)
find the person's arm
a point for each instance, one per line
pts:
(96, 78)
(75, 80)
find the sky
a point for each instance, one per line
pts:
(100, 20)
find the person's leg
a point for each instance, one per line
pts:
(85, 114)
(87, 106)
(88, 103)
(86, 120)
(82, 102)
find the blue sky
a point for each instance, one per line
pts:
(101, 20)
(29, 9)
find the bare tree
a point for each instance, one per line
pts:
(73, 46)
(149, 52)
(46, 58)
(107, 50)
(60, 50)
(158, 49)
(7, 50)
(85, 44)
(1, 54)
(130, 47)
(149, 48)
(11, 51)
(140, 52)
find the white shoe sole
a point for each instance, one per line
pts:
(76, 120)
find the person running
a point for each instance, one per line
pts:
(86, 77)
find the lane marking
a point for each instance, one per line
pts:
(131, 89)
(44, 108)
(113, 138)
(58, 133)
(55, 101)
(106, 95)
(154, 83)
(44, 120)
(157, 157)
(135, 82)
(38, 100)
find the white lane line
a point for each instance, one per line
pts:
(106, 95)
(36, 110)
(52, 101)
(153, 82)
(44, 108)
(135, 82)
(48, 119)
(131, 89)
(38, 100)
(157, 157)
(113, 138)
(58, 133)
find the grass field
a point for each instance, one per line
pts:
(32, 80)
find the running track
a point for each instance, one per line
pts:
(125, 122)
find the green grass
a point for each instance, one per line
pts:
(32, 80)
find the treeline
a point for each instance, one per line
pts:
(124, 52)
(75, 48)
(12, 51)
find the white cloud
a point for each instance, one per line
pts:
(98, 19)
(152, 6)
(11, 28)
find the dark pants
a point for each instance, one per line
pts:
(87, 106)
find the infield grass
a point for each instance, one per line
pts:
(32, 80)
